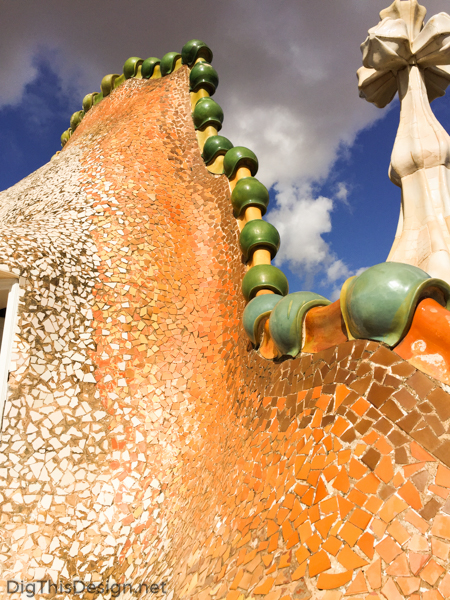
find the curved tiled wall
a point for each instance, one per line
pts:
(183, 457)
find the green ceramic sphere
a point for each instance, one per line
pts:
(65, 137)
(380, 303)
(76, 119)
(214, 146)
(259, 234)
(195, 49)
(286, 320)
(148, 66)
(118, 81)
(264, 277)
(249, 192)
(203, 75)
(107, 83)
(239, 156)
(88, 101)
(97, 98)
(168, 63)
(257, 309)
(131, 66)
(207, 112)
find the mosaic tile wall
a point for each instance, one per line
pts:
(145, 441)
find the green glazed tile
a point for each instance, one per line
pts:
(214, 146)
(148, 66)
(256, 310)
(195, 49)
(248, 191)
(239, 156)
(118, 81)
(107, 84)
(76, 119)
(203, 75)
(131, 66)
(259, 234)
(380, 303)
(286, 320)
(88, 101)
(207, 112)
(264, 277)
(65, 137)
(168, 63)
(98, 98)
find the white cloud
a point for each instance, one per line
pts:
(337, 270)
(342, 192)
(302, 219)
(19, 71)
(287, 83)
(282, 141)
(345, 274)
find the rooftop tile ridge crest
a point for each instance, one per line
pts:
(259, 239)
(279, 324)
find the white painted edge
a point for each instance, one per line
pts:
(7, 339)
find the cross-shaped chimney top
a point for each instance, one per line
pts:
(402, 54)
(409, 11)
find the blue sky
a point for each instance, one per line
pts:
(30, 129)
(288, 90)
(364, 225)
(364, 220)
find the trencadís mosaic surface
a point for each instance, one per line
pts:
(146, 440)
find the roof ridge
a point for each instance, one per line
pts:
(278, 324)
(259, 240)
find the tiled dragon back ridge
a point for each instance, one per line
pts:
(159, 431)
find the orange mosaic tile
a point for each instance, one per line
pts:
(360, 407)
(226, 475)
(391, 591)
(350, 559)
(332, 581)
(349, 533)
(408, 585)
(441, 527)
(420, 454)
(431, 572)
(385, 469)
(427, 336)
(444, 586)
(417, 521)
(388, 549)
(358, 585)
(318, 563)
(393, 506)
(398, 532)
(443, 477)
(411, 496)
(324, 328)
(432, 595)
(366, 544)
(440, 549)
(399, 567)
